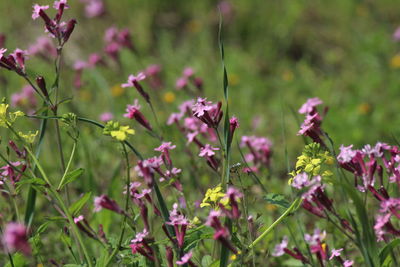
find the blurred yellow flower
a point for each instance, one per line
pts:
(287, 75)
(214, 195)
(364, 108)
(12, 116)
(193, 26)
(122, 133)
(234, 79)
(85, 95)
(395, 61)
(29, 137)
(169, 97)
(117, 90)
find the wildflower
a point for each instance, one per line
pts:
(60, 4)
(188, 72)
(309, 106)
(279, 249)
(169, 97)
(29, 137)
(140, 236)
(221, 232)
(20, 57)
(104, 202)
(24, 98)
(348, 263)
(94, 8)
(15, 238)
(117, 131)
(164, 149)
(335, 253)
(214, 195)
(133, 111)
(232, 196)
(260, 149)
(346, 154)
(12, 116)
(207, 151)
(37, 10)
(185, 258)
(180, 224)
(139, 244)
(133, 81)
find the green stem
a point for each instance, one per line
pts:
(272, 226)
(65, 209)
(123, 224)
(68, 167)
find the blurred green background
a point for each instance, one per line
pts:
(278, 54)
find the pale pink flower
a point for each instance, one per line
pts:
(207, 151)
(132, 79)
(346, 154)
(279, 249)
(335, 253)
(106, 116)
(2, 51)
(310, 105)
(58, 3)
(188, 72)
(140, 236)
(185, 258)
(348, 263)
(36, 9)
(165, 146)
(15, 238)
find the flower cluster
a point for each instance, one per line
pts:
(312, 124)
(260, 151)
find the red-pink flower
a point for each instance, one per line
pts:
(104, 202)
(132, 79)
(57, 4)
(15, 238)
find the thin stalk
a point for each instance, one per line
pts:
(295, 203)
(123, 224)
(68, 167)
(63, 207)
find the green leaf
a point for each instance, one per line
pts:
(385, 252)
(71, 176)
(206, 261)
(277, 199)
(76, 207)
(18, 260)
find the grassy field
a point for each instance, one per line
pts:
(278, 54)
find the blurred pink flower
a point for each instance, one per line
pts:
(15, 238)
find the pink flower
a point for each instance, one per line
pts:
(396, 34)
(140, 236)
(36, 10)
(310, 105)
(188, 72)
(318, 236)
(185, 259)
(201, 107)
(181, 83)
(94, 8)
(15, 238)
(174, 117)
(348, 263)
(300, 180)
(132, 79)
(104, 202)
(2, 51)
(57, 4)
(165, 146)
(153, 69)
(207, 151)
(346, 154)
(20, 56)
(78, 219)
(335, 253)
(106, 116)
(279, 249)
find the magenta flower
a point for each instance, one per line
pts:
(185, 258)
(78, 219)
(348, 263)
(61, 3)
(180, 224)
(279, 249)
(207, 151)
(104, 202)
(140, 236)
(15, 238)
(317, 236)
(134, 79)
(37, 9)
(335, 253)
(133, 112)
(310, 105)
(2, 51)
(165, 146)
(181, 83)
(201, 107)
(346, 154)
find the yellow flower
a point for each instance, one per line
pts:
(169, 97)
(213, 195)
(234, 256)
(122, 133)
(3, 115)
(29, 137)
(117, 90)
(395, 61)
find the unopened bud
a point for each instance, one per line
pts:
(41, 83)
